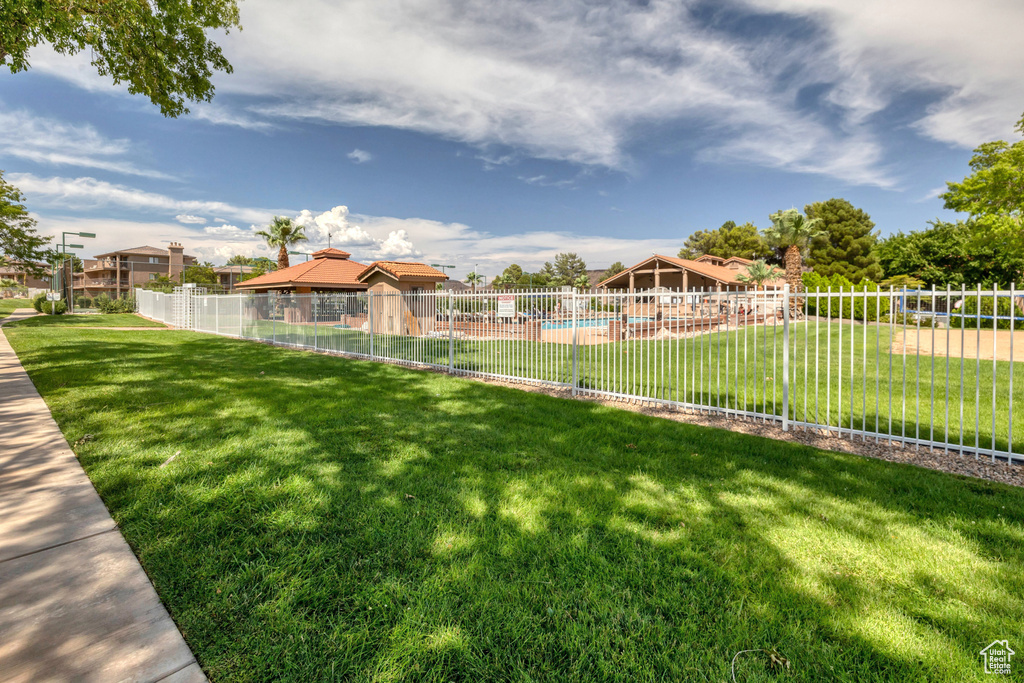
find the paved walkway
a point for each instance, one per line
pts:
(75, 604)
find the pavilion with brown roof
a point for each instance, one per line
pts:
(330, 270)
(415, 315)
(707, 273)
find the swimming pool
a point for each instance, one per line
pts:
(587, 322)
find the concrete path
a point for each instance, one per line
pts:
(75, 604)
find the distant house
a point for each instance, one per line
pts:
(15, 270)
(400, 314)
(116, 273)
(230, 275)
(330, 270)
(707, 272)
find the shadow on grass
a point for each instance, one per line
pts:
(325, 518)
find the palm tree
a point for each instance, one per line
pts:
(791, 232)
(474, 278)
(282, 233)
(758, 273)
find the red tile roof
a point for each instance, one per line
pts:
(404, 270)
(331, 253)
(331, 270)
(720, 273)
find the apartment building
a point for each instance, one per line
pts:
(118, 272)
(15, 270)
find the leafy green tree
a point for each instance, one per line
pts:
(993, 194)
(512, 274)
(19, 240)
(282, 233)
(567, 269)
(160, 49)
(952, 254)
(791, 233)
(200, 274)
(56, 258)
(902, 281)
(254, 261)
(847, 242)
(582, 282)
(613, 269)
(729, 240)
(758, 273)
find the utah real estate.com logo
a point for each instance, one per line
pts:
(997, 657)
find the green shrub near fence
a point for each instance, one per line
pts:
(840, 306)
(970, 308)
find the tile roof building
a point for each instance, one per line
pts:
(707, 272)
(415, 315)
(330, 270)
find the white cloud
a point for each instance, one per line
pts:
(360, 156)
(219, 114)
(389, 238)
(335, 225)
(87, 193)
(580, 81)
(568, 80)
(44, 140)
(397, 246)
(968, 54)
(189, 219)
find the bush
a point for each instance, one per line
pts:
(107, 305)
(58, 308)
(970, 308)
(84, 301)
(839, 307)
(38, 300)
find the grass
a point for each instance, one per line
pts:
(742, 370)
(87, 320)
(308, 517)
(8, 306)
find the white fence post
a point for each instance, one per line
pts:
(451, 332)
(785, 356)
(575, 348)
(313, 302)
(369, 318)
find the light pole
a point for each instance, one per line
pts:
(301, 253)
(442, 267)
(69, 286)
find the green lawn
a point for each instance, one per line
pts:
(308, 517)
(87, 320)
(891, 393)
(8, 306)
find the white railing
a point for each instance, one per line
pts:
(922, 368)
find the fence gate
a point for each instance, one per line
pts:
(184, 306)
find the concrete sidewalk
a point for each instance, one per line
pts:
(75, 604)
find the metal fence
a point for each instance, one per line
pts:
(926, 368)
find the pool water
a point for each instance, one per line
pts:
(587, 322)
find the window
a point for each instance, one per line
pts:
(152, 276)
(154, 259)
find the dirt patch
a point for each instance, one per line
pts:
(960, 341)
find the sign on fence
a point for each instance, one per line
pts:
(53, 296)
(506, 306)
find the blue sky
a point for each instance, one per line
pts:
(490, 131)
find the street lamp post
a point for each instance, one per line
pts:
(301, 253)
(68, 287)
